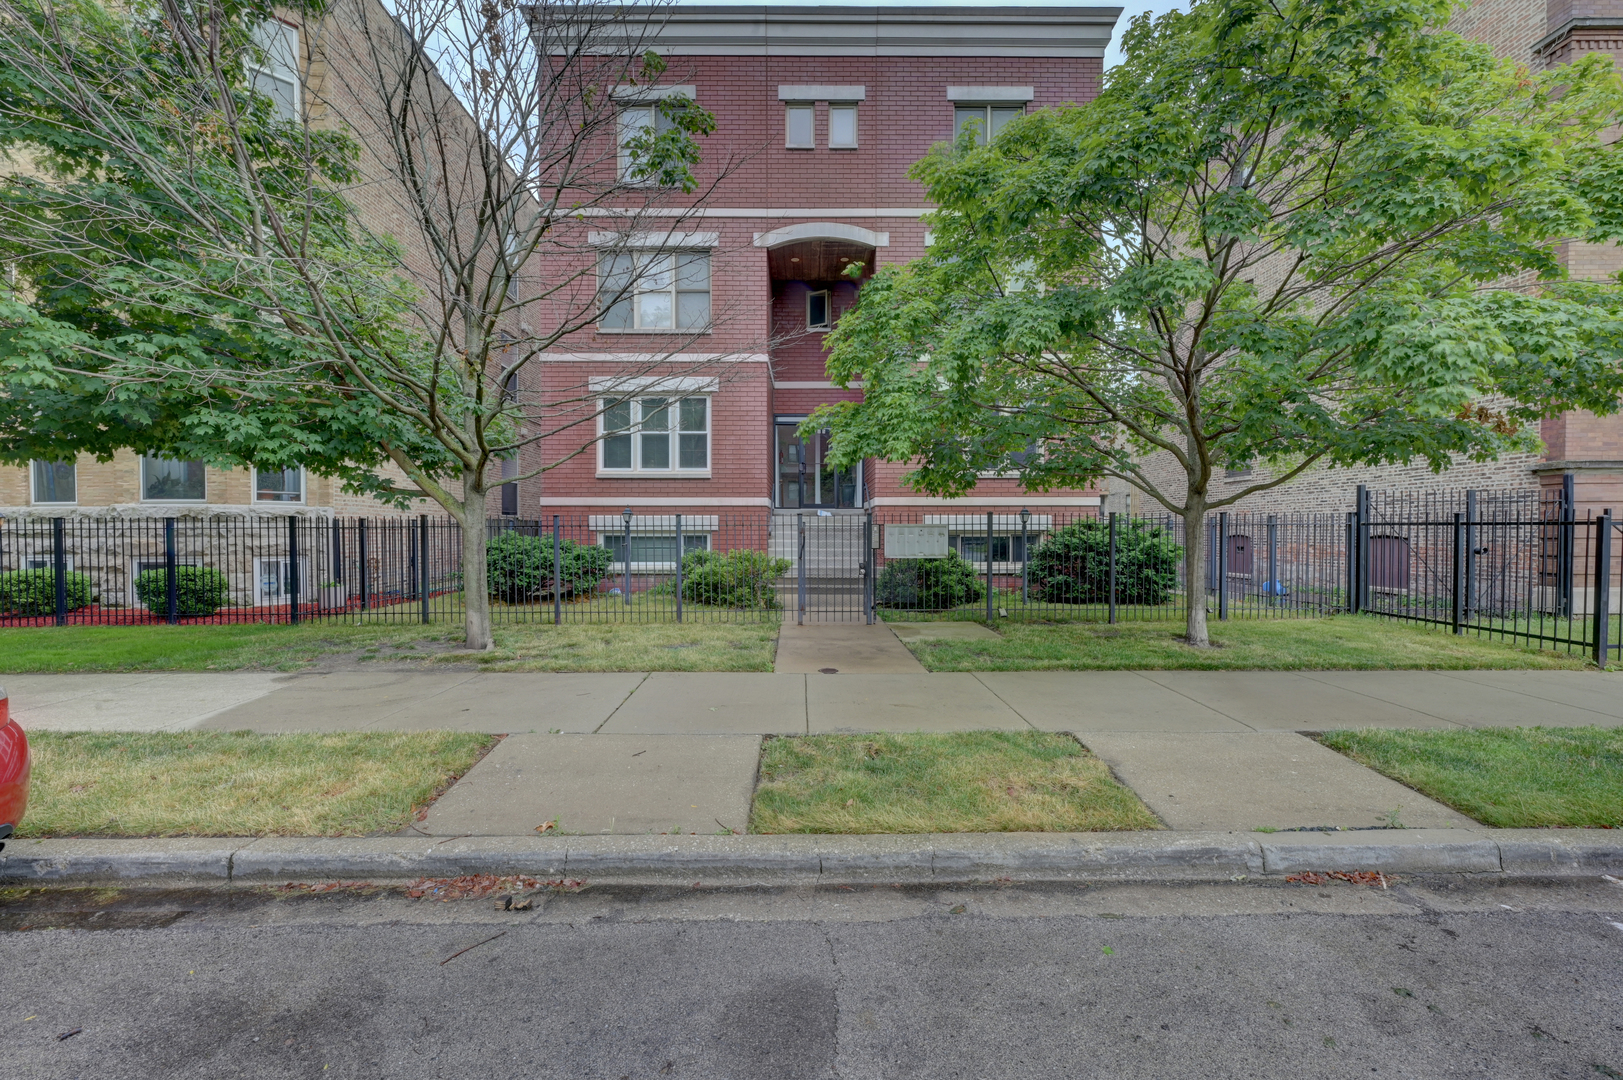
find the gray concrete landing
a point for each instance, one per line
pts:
(602, 784)
(844, 649)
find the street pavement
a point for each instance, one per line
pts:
(1427, 979)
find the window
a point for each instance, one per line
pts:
(800, 127)
(55, 482)
(166, 480)
(1004, 548)
(817, 310)
(656, 434)
(654, 290)
(641, 122)
(276, 579)
(987, 120)
(842, 127)
(274, 72)
(48, 563)
(652, 550)
(279, 485)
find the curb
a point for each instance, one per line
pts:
(803, 860)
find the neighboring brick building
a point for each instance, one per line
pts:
(820, 111)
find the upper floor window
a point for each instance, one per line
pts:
(985, 120)
(818, 313)
(842, 127)
(656, 434)
(55, 482)
(279, 485)
(167, 480)
(640, 121)
(274, 72)
(654, 290)
(800, 126)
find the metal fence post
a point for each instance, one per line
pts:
(292, 569)
(422, 563)
(625, 557)
(678, 567)
(171, 599)
(557, 575)
(1222, 566)
(1603, 587)
(1273, 560)
(1564, 544)
(366, 570)
(800, 569)
(1459, 572)
(59, 564)
(1025, 558)
(989, 617)
(1361, 546)
(1470, 550)
(1352, 574)
(867, 568)
(1111, 576)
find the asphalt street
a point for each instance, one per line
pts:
(1424, 979)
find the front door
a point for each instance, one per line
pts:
(804, 479)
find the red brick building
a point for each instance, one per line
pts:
(820, 112)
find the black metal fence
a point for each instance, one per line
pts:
(1510, 566)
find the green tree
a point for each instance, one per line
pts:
(1295, 233)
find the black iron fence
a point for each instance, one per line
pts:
(1513, 567)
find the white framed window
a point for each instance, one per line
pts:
(800, 126)
(842, 126)
(654, 290)
(55, 482)
(650, 552)
(47, 562)
(985, 120)
(167, 480)
(819, 310)
(655, 435)
(273, 579)
(639, 120)
(274, 68)
(279, 485)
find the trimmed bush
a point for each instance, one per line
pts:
(33, 592)
(738, 579)
(1072, 564)
(199, 590)
(929, 584)
(518, 568)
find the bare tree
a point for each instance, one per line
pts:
(404, 210)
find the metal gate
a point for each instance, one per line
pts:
(830, 554)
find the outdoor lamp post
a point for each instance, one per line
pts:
(625, 554)
(1025, 556)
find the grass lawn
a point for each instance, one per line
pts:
(608, 646)
(976, 781)
(1513, 778)
(199, 783)
(1337, 642)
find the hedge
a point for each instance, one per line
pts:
(929, 584)
(33, 592)
(1072, 564)
(738, 579)
(199, 590)
(518, 568)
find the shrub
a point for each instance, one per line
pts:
(33, 592)
(1072, 564)
(738, 579)
(929, 583)
(199, 590)
(518, 568)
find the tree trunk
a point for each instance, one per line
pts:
(1194, 571)
(475, 581)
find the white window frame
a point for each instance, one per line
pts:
(607, 537)
(33, 484)
(307, 591)
(304, 490)
(672, 433)
(844, 106)
(642, 276)
(790, 108)
(985, 133)
(828, 310)
(47, 562)
(143, 481)
(278, 66)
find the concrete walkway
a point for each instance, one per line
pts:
(677, 752)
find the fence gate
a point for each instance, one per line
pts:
(829, 552)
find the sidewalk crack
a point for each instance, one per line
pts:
(1000, 697)
(622, 704)
(1203, 704)
(1375, 697)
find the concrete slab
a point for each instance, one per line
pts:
(1556, 697)
(1270, 778)
(50, 689)
(518, 702)
(944, 701)
(714, 703)
(942, 631)
(1459, 701)
(1288, 700)
(170, 702)
(339, 701)
(843, 648)
(603, 784)
(1102, 701)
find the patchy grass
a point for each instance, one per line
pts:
(607, 646)
(976, 781)
(200, 783)
(1513, 778)
(1339, 642)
